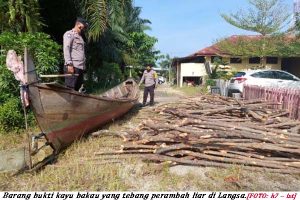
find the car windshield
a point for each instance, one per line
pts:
(240, 74)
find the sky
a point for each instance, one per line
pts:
(183, 27)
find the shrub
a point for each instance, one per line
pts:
(47, 56)
(210, 82)
(46, 52)
(11, 119)
(106, 76)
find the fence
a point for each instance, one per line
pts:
(287, 99)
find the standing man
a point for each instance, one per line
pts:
(150, 78)
(74, 54)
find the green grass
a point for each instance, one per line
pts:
(191, 91)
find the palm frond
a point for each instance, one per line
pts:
(96, 13)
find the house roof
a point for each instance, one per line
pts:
(215, 51)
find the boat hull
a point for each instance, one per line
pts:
(65, 115)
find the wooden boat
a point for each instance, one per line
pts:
(65, 115)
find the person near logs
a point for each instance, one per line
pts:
(150, 81)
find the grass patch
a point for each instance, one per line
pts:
(192, 91)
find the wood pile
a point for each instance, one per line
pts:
(217, 131)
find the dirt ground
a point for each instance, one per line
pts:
(80, 168)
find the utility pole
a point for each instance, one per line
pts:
(130, 74)
(169, 73)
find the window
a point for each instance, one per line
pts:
(272, 60)
(265, 74)
(200, 59)
(283, 75)
(240, 74)
(235, 60)
(254, 60)
(213, 58)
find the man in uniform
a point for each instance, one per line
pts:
(150, 78)
(74, 54)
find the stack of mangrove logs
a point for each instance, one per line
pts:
(217, 131)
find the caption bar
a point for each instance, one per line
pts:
(150, 195)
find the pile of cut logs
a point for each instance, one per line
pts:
(217, 131)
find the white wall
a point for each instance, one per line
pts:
(191, 70)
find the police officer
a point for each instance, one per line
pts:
(74, 54)
(150, 78)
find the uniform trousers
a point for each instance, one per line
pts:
(149, 89)
(74, 82)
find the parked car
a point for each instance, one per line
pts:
(266, 78)
(161, 80)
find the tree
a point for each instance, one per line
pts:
(20, 16)
(140, 47)
(116, 34)
(265, 17)
(165, 64)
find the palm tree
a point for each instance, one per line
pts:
(111, 22)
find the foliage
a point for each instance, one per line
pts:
(9, 86)
(165, 61)
(46, 53)
(46, 56)
(116, 35)
(20, 16)
(275, 45)
(136, 72)
(107, 76)
(140, 47)
(296, 27)
(11, 119)
(289, 47)
(210, 82)
(96, 11)
(264, 17)
(215, 74)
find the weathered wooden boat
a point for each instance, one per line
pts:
(65, 115)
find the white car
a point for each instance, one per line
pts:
(265, 78)
(161, 80)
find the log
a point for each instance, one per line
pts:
(138, 151)
(218, 131)
(284, 124)
(233, 160)
(57, 75)
(100, 133)
(214, 164)
(263, 146)
(295, 130)
(257, 162)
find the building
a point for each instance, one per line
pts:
(194, 68)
